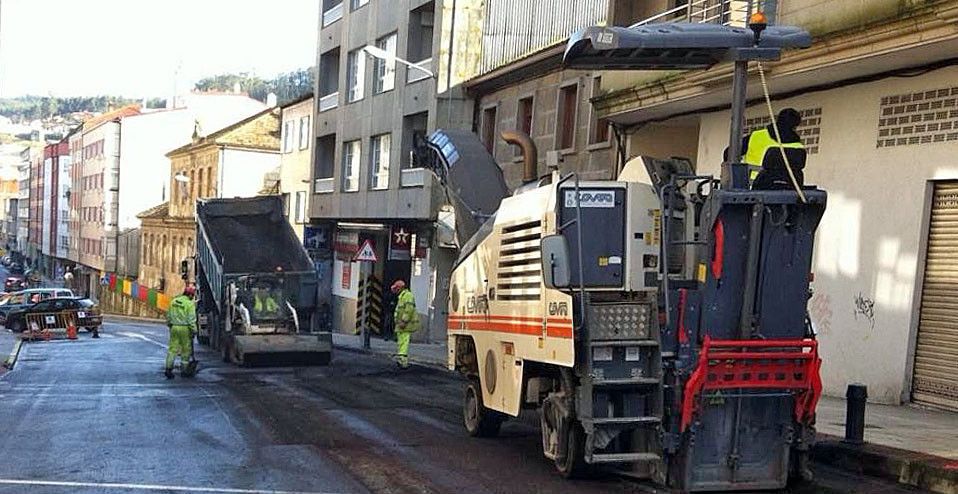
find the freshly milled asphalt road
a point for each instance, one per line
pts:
(97, 416)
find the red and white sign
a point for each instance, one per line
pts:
(366, 252)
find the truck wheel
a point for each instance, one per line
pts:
(18, 327)
(479, 420)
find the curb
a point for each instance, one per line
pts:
(932, 473)
(14, 355)
(132, 318)
(412, 358)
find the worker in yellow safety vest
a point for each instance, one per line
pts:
(181, 319)
(406, 321)
(763, 153)
(264, 303)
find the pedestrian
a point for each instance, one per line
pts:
(181, 319)
(763, 153)
(405, 320)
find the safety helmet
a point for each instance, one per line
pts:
(189, 291)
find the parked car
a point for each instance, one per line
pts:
(86, 313)
(26, 298)
(14, 283)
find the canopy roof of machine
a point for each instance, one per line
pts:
(671, 46)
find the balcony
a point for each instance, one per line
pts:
(415, 75)
(329, 102)
(418, 198)
(412, 177)
(324, 185)
(728, 12)
(333, 14)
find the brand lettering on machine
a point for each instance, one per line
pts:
(477, 304)
(591, 199)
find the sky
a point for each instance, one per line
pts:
(136, 48)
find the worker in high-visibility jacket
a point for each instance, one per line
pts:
(406, 321)
(763, 153)
(181, 319)
(263, 303)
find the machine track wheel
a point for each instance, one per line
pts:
(573, 466)
(479, 420)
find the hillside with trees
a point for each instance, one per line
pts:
(287, 86)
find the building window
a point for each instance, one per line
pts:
(385, 70)
(300, 210)
(524, 118)
(599, 128)
(355, 4)
(489, 129)
(568, 103)
(351, 153)
(325, 156)
(379, 162)
(304, 132)
(355, 75)
(421, 26)
(288, 135)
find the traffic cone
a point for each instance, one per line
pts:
(71, 332)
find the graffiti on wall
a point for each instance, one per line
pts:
(865, 307)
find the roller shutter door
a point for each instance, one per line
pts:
(936, 355)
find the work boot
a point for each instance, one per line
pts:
(96, 333)
(168, 373)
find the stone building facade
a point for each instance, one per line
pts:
(230, 162)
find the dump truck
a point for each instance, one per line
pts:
(257, 287)
(656, 321)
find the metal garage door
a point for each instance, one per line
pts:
(936, 356)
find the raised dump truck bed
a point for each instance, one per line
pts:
(257, 285)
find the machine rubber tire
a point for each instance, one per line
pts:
(225, 350)
(479, 420)
(18, 327)
(574, 465)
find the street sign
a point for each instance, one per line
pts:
(366, 252)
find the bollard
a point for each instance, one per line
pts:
(856, 395)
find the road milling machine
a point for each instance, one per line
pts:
(658, 325)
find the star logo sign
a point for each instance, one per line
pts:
(402, 237)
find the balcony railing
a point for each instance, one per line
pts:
(728, 12)
(333, 14)
(324, 185)
(412, 177)
(329, 101)
(414, 75)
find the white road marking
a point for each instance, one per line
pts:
(146, 487)
(141, 337)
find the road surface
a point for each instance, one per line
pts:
(97, 416)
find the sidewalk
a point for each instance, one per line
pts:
(431, 354)
(8, 341)
(911, 445)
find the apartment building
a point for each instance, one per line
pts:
(370, 111)
(296, 146)
(230, 162)
(880, 104)
(56, 182)
(23, 201)
(94, 197)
